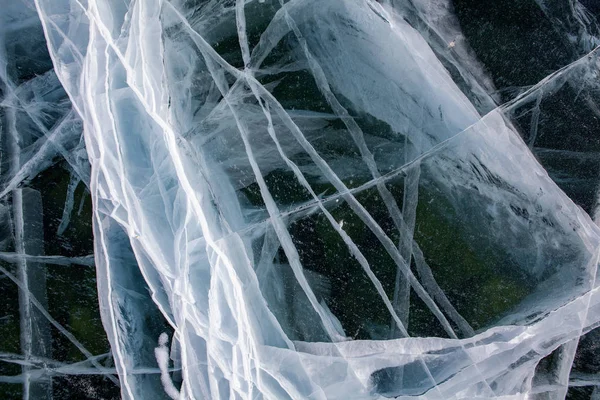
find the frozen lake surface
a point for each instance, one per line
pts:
(304, 199)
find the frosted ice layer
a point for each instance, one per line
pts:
(324, 199)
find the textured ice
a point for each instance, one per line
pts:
(324, 199)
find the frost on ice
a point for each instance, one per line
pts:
(332, 199)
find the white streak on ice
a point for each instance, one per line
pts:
(162, 358)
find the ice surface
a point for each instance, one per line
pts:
(332, 199)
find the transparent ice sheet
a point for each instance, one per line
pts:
(323, 199)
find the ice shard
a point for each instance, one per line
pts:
(332, 199)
